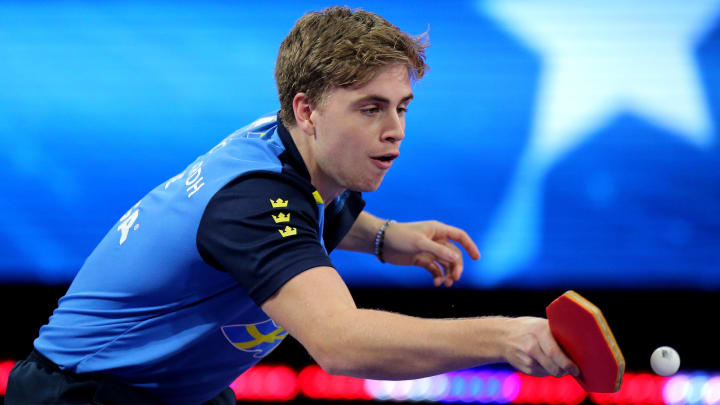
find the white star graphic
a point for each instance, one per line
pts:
(599, 59)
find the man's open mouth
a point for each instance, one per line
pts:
(386, 158)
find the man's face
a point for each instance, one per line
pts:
(359, 130)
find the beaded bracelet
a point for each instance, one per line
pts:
(380, 239)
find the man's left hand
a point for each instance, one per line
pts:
(429, 244)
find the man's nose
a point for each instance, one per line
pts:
(394, 130)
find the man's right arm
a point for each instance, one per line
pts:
(316, 308)
(291, 277)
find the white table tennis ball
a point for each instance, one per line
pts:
(665, 361)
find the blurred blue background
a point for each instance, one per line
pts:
(576, 142)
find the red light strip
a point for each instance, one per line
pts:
(5, 367)
(635, 389)
(266, 383)
(317, 384)
(546, 390)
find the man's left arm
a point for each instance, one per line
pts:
(427, 244)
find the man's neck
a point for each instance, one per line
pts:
(328, 189)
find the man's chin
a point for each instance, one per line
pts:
(367, 188)
(364, 187)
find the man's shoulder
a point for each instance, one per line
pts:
(261, 185)
(257, 142)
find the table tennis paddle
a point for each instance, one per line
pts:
(581, 330)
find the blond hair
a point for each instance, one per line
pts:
(340, 47)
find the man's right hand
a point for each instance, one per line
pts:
(531, 349)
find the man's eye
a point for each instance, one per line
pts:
(402, 110)
(370, 110)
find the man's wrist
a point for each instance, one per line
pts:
(379, 244)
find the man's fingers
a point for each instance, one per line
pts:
(437, 273)
(461, 237)
(528, 365)
(448, 280)
(542, 348)
(427, 261)
(555, 353)
(548, 363)
(447, 255)
(537, 370)
(454, 270)
(536, 349)
(439, 250)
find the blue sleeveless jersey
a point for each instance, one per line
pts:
(145, 307)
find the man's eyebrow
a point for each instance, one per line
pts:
(381, 99)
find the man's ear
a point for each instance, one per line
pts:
(303, 109)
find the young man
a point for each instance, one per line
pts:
(211, 270)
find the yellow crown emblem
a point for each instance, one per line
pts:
(281, 218)
(279, 203)
(288, 231)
